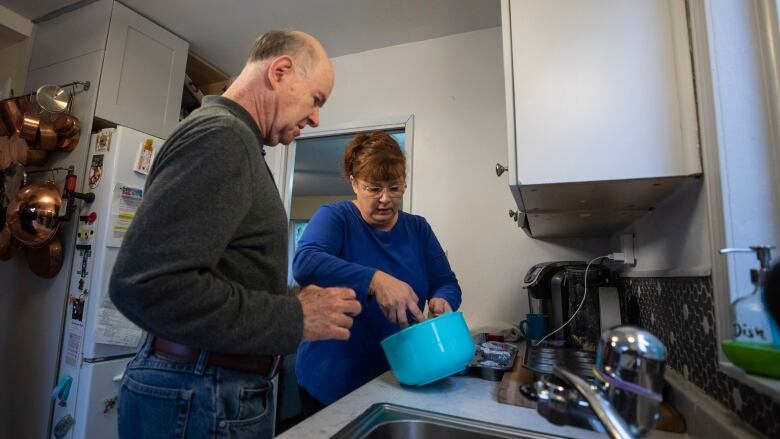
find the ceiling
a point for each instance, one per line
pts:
(318, 165)
(223, 31)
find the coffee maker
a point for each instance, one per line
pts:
(556, 289)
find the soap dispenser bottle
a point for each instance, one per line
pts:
(750, 319)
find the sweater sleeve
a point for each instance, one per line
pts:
(441, 279)
(316, 261)
(165, 278)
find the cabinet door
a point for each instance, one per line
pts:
(143, 74)
(601, 90)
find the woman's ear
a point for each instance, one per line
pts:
(353, 182)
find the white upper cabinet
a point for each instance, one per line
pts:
(143, 74)
(601, 113)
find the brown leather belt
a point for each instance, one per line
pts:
(266, 365)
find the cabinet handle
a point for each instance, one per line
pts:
(500, 169)
(514, 214)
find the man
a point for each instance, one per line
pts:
(203, 267)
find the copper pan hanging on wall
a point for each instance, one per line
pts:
(12, 114)
(33, 215)
(45, 261)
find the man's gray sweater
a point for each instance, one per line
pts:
(204, 262)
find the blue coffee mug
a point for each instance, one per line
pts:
(534, 327)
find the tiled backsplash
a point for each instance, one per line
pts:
(681, 312)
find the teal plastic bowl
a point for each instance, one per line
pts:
(431, 350)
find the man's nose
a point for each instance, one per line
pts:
(314, 117)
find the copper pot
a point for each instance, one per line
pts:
(68, 144)
(6, 247)
(67, 125)
(37, 157)
(30, 126)
(12, 115)
(47, 137)
(45, 261)
(33, 215)
(3, 129)
(5, 153)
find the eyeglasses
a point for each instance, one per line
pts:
(394, 191)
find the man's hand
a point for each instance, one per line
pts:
(395, 297)
(438, 306)
(327, 312)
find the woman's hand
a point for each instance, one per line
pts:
(395, 297)
(438, 306)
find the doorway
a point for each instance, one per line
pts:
(311, 175)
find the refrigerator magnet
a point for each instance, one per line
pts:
(96, 171)
(103, 142)
(145, 157)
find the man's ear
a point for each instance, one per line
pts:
(279, 68)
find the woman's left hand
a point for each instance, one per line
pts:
(438, 306)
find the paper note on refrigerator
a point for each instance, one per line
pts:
(124, 203)
(113, 328)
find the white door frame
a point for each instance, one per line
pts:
(392, 123)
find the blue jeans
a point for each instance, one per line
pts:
(164, 399)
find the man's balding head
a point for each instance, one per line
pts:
(302, 47)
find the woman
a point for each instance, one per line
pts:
(390, 258)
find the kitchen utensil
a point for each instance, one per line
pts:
(534, 327)
(68, 144)
(12, 115)
(45, 261)
(64, 124)
(47, 137)
(430, 350)
(33, 215)
(30, 125)
(753, 358)
(37, 157)
(52, 98)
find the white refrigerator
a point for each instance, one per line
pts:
(98, 341)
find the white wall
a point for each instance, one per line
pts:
(32, 309)
(15, 58)
(674, 239)
(16, 32)
(454, 87)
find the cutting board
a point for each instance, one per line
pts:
(509, 388)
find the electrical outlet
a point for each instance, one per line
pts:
(627, 247)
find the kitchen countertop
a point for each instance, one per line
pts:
(463, 396)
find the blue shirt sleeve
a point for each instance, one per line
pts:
(441, 279)
(316, 261)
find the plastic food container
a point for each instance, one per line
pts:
(492, 359)
(430, 350)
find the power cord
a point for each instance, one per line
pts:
(620, 257)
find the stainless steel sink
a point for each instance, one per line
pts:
(384, 421)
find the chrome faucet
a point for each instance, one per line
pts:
(626, 391)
